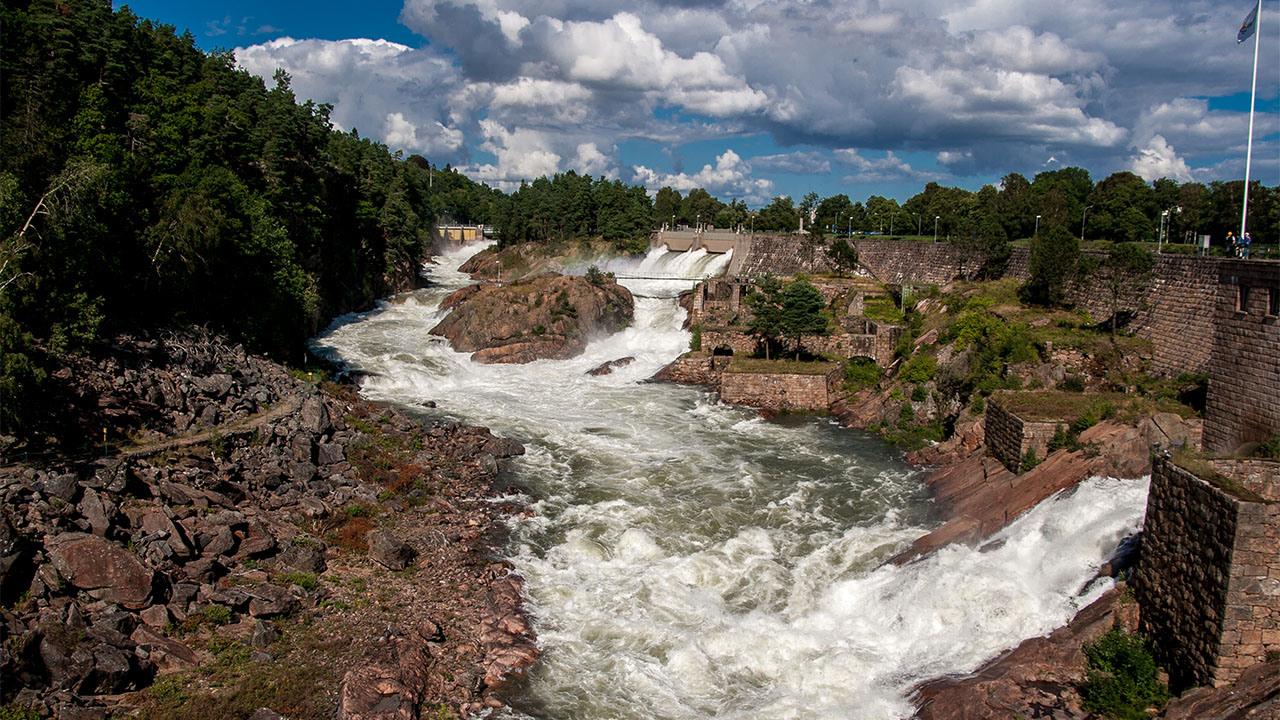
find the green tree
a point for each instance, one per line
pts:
(802, 312)
(1055, 253)
(1124, 209)
(765, 303)
(843, 255)
(779, 216)
(666, 206)
(1127, 271)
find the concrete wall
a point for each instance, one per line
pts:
(776, 392)
(1009, 437)
(1243, 403)
(906, 261)
(1209, 578)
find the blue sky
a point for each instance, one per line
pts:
(752, 100)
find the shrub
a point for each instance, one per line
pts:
(1072, 383)
(1029, 461)
(1122, 679)
(919, 369)
(861, 373)
(1271, 448)
(695, 338)
(919, 393)
(595, 277)
(304, 580)
(15, 712)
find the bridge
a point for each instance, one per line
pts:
(690, 278)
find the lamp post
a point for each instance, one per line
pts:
(697, 225)
(673, 222)
(850, 233)
(917, 223)
(1083, 215)
(1037, 232)
(935, 227)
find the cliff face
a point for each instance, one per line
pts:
(545, 317)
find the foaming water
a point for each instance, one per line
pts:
(690, 560)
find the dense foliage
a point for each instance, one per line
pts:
(569, 205)
(1123, 680)
(789, 311)
(145, 182)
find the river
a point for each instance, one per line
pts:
(686, 559)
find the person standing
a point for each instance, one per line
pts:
(1233, 246)
(1245, 242)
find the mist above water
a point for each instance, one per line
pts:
(687, 559)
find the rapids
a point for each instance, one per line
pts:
(687, 559)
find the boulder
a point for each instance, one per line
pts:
(389, 551)
(545, 317)
(608, 367)
(108, 571)
(270, 601)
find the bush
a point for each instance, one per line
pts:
(1029, 461)
(919, 369)
(861, 373)
(695, 338)
(595, 277)
(1072, 383)
(1122, 679)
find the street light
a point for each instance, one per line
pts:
(1083, 215)
(1037, 232)
(850, 225)
(935, 227)
(917, 223)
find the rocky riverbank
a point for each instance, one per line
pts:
(250, 542)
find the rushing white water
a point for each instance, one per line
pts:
(690, 560)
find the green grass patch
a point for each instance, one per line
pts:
(1059, 405)
(1198, 465)
(779, 367)
(882, 309)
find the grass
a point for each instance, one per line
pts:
(882, 309)
(1055, 405)
(779, 367)
(234, 684)
(1198, 465)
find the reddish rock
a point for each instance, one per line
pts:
(108, 571)
(1036, 679)
(389, 551)
(545, 317)
(1255, 696)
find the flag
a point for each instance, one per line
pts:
(1248, 27)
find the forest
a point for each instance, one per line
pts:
(147, 184)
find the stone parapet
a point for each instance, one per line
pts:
(1209, 577)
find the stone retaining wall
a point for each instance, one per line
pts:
(778, 392)
(1209, 578)
(1009, 437)
(1243, 403)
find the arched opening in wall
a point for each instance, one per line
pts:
(722, 351)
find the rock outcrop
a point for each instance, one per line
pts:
(294, 537)
(545, 317)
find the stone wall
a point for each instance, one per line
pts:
(1009, 437)
(878, 343)
(1243, 403)
(782, 255)
(907, 261)
(776, 391)
(1209, 578)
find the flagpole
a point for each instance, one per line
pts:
(1253, 99)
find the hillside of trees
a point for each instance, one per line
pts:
(146, 183)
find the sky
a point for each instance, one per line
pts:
(756, 98)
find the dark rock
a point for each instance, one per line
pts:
(89, 562)
(608, 367)
(258, 543)
(156, 616)
(97, 512)
(270, 601)
(503, 447)
(263, 634)
(315, 416)
(214, 385)
(266, 714)
(65, 487)
(389, 551)
(306, 558)
(166, 653)
(330, 454)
